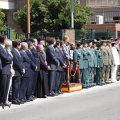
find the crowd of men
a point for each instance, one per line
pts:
(29, 70)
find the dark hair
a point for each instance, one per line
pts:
(2, 38)
(90, 41)
(99, 45)
(57, 43)
(78, 44)
(29, 44)
(32, 40)
(61, 43)
(113, 44)
(51, 41)
(16, 43)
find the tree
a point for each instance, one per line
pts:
(53, 15)
(2, 17)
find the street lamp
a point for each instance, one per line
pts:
(28, 18)
(72, 14)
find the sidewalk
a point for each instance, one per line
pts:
(44, 100)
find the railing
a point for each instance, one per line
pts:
(7, 32)
(94, 34)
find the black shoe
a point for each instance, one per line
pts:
(34, 97)
(56, 94)
(15, 102)
(60, 92)
(45, 96)
(2, 104)
(30, 98)
(23, 101)
(51, 95)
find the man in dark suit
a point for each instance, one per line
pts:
(5, 74)
(36, 59)
(53, 63)
(60, 69)
(19, 71)
(32, 70)
(0, 65)
(26, 76)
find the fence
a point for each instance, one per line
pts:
(7, 32)
(93, 34)
(45, 36)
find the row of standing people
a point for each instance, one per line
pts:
(34, 72)
(98, 61)
(30, 70)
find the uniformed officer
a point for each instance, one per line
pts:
(105, 56)
(115, 56)
(99, 68)
(109, 47)
(118, 49)
(94, 47)
(78, 54)
(91, 61)
(85, 78)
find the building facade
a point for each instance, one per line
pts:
(10, 8)
(109, 9)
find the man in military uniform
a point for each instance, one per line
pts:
(91, 61)
(106, 68)
(94, 47)
(99, 68)
(118, 49)
(78, 54)
(85, 78)
(108, 46)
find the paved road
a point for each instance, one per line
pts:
(98, 103)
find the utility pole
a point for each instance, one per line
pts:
(72, 14)
(28, 18)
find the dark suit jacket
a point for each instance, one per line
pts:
(60, 59)
(26, 63)
(43, 66)
(35, 54)
(51, 58)
(6, 60)
(0, 65)
(33, 61)
(17, 63)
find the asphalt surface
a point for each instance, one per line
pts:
(97, 103)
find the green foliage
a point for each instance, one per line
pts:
(2, 17)
(53, 15)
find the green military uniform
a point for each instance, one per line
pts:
(78, 54)
(85, 78)
(99, 68)
(91, 65)
(95, 64)
(105, 56)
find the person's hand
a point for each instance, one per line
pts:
(58, 64)
(23, 71)
(12, 72)
(49, 68)
(70, 58)
(64, 66)
(36, 68)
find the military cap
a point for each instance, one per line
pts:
(89, 41)
(85, 42)
(113, 43)
(99, 44)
